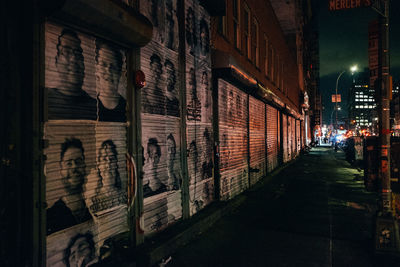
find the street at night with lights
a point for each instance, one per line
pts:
(168, 133)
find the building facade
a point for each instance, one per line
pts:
(362, 104)
(126, 117)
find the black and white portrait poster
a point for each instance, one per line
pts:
(233, 115)
(85, 77)
(199, 132)
(200, 166)
(162, 178)
(161, 118)
(85, 168)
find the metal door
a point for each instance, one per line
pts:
(233, 116)
(86, 173)
(272, 138)
(286, 152)
(257, 139)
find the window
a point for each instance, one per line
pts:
(254, 43)
(277, 70)
(246, 31)
(271, 62)
(236, 23)
(282, 74)
(222, 26)
(266, 55)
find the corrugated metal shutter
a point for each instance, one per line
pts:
(86, 177)
(290, 138)
(272, 138)
(298, 136)
(257, 139)
(293, 130)
(285, 138)
(303, 133)
(199, 107)
(233, 117)
(161, 122)
(279, 148)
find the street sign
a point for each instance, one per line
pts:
(379, 7)
(336, 98)
(348, 4)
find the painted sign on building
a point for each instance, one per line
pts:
(348, 4)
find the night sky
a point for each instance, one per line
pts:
(343, 43)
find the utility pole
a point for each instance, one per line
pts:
(384, 111)
(386, 231)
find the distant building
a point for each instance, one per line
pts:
(395, 109)
(362, 104)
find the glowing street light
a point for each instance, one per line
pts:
(353, 69)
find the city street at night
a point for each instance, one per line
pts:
(171, 133)
(314, 212)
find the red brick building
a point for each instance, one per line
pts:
(92, 152)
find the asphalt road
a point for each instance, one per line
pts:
(313, 213)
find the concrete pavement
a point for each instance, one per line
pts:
(313, 213)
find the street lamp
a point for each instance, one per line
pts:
(333, 110)
(353, 69)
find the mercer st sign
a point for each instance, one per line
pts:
(348, 4)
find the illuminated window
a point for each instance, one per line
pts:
(236, 23)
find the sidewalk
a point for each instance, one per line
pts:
(314, 213)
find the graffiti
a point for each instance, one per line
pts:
(207, 165)
(230, 104)
(194, 105)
